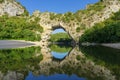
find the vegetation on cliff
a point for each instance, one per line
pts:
(90, 10)
(2, 1)
(80, 14)
(19, 28)
(104, 32)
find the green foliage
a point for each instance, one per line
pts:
(1, 1)
(68, 17)
(55, 16)
(78, 29)
(78, 57)
(52, 16)
(19, 59)
(37, 19)
(59, 36)
(89, 11)
(104, 56)
(79, 15)
(104, 32)
(19, 28)
(96, 7)
(60, 49)
(26, 13)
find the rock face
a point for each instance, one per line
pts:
(11, 8)
(50, 25)
(110, 7)
(50, 21)
(11, 75)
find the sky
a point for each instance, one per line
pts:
(57, 6)
(57, 31)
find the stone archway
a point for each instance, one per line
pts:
(59, 26)
(45, 36)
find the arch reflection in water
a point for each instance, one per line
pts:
(15, 64)
(53, 77)
(61, 43)
(59, 55)
(60, 52)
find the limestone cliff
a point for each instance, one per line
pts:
(73, 23)
(110, 7)
(81, 20)
(11, 7)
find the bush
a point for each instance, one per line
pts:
(78, 29)
(104, 32)
(59, 36)
(78, 57)
(19, 28)
(1, 1)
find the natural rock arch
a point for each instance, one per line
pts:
(59, 26)
(45, 36)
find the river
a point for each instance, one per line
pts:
(66, 63)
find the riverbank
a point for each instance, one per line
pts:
(8, 44)
(112, 45)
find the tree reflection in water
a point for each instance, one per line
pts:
(92, 63)
(14, 61)
(108, 57)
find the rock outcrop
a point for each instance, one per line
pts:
(11, 75)
(70, 23)
(50, 21)
(111, 6)
(11, 7)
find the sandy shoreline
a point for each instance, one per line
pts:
(10, 44)
(112, 45)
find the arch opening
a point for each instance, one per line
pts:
(60, 36)
(60, 43)
(62, 29)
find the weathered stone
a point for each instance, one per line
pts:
(12, 75)
(11, 8)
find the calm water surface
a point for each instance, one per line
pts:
(53, 77)
(98, 63)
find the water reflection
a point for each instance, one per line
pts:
(60, 52)
(84, 63)
(106, 54)
(18, 62)
(58, 55)
(53, 77)
(108, 57)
